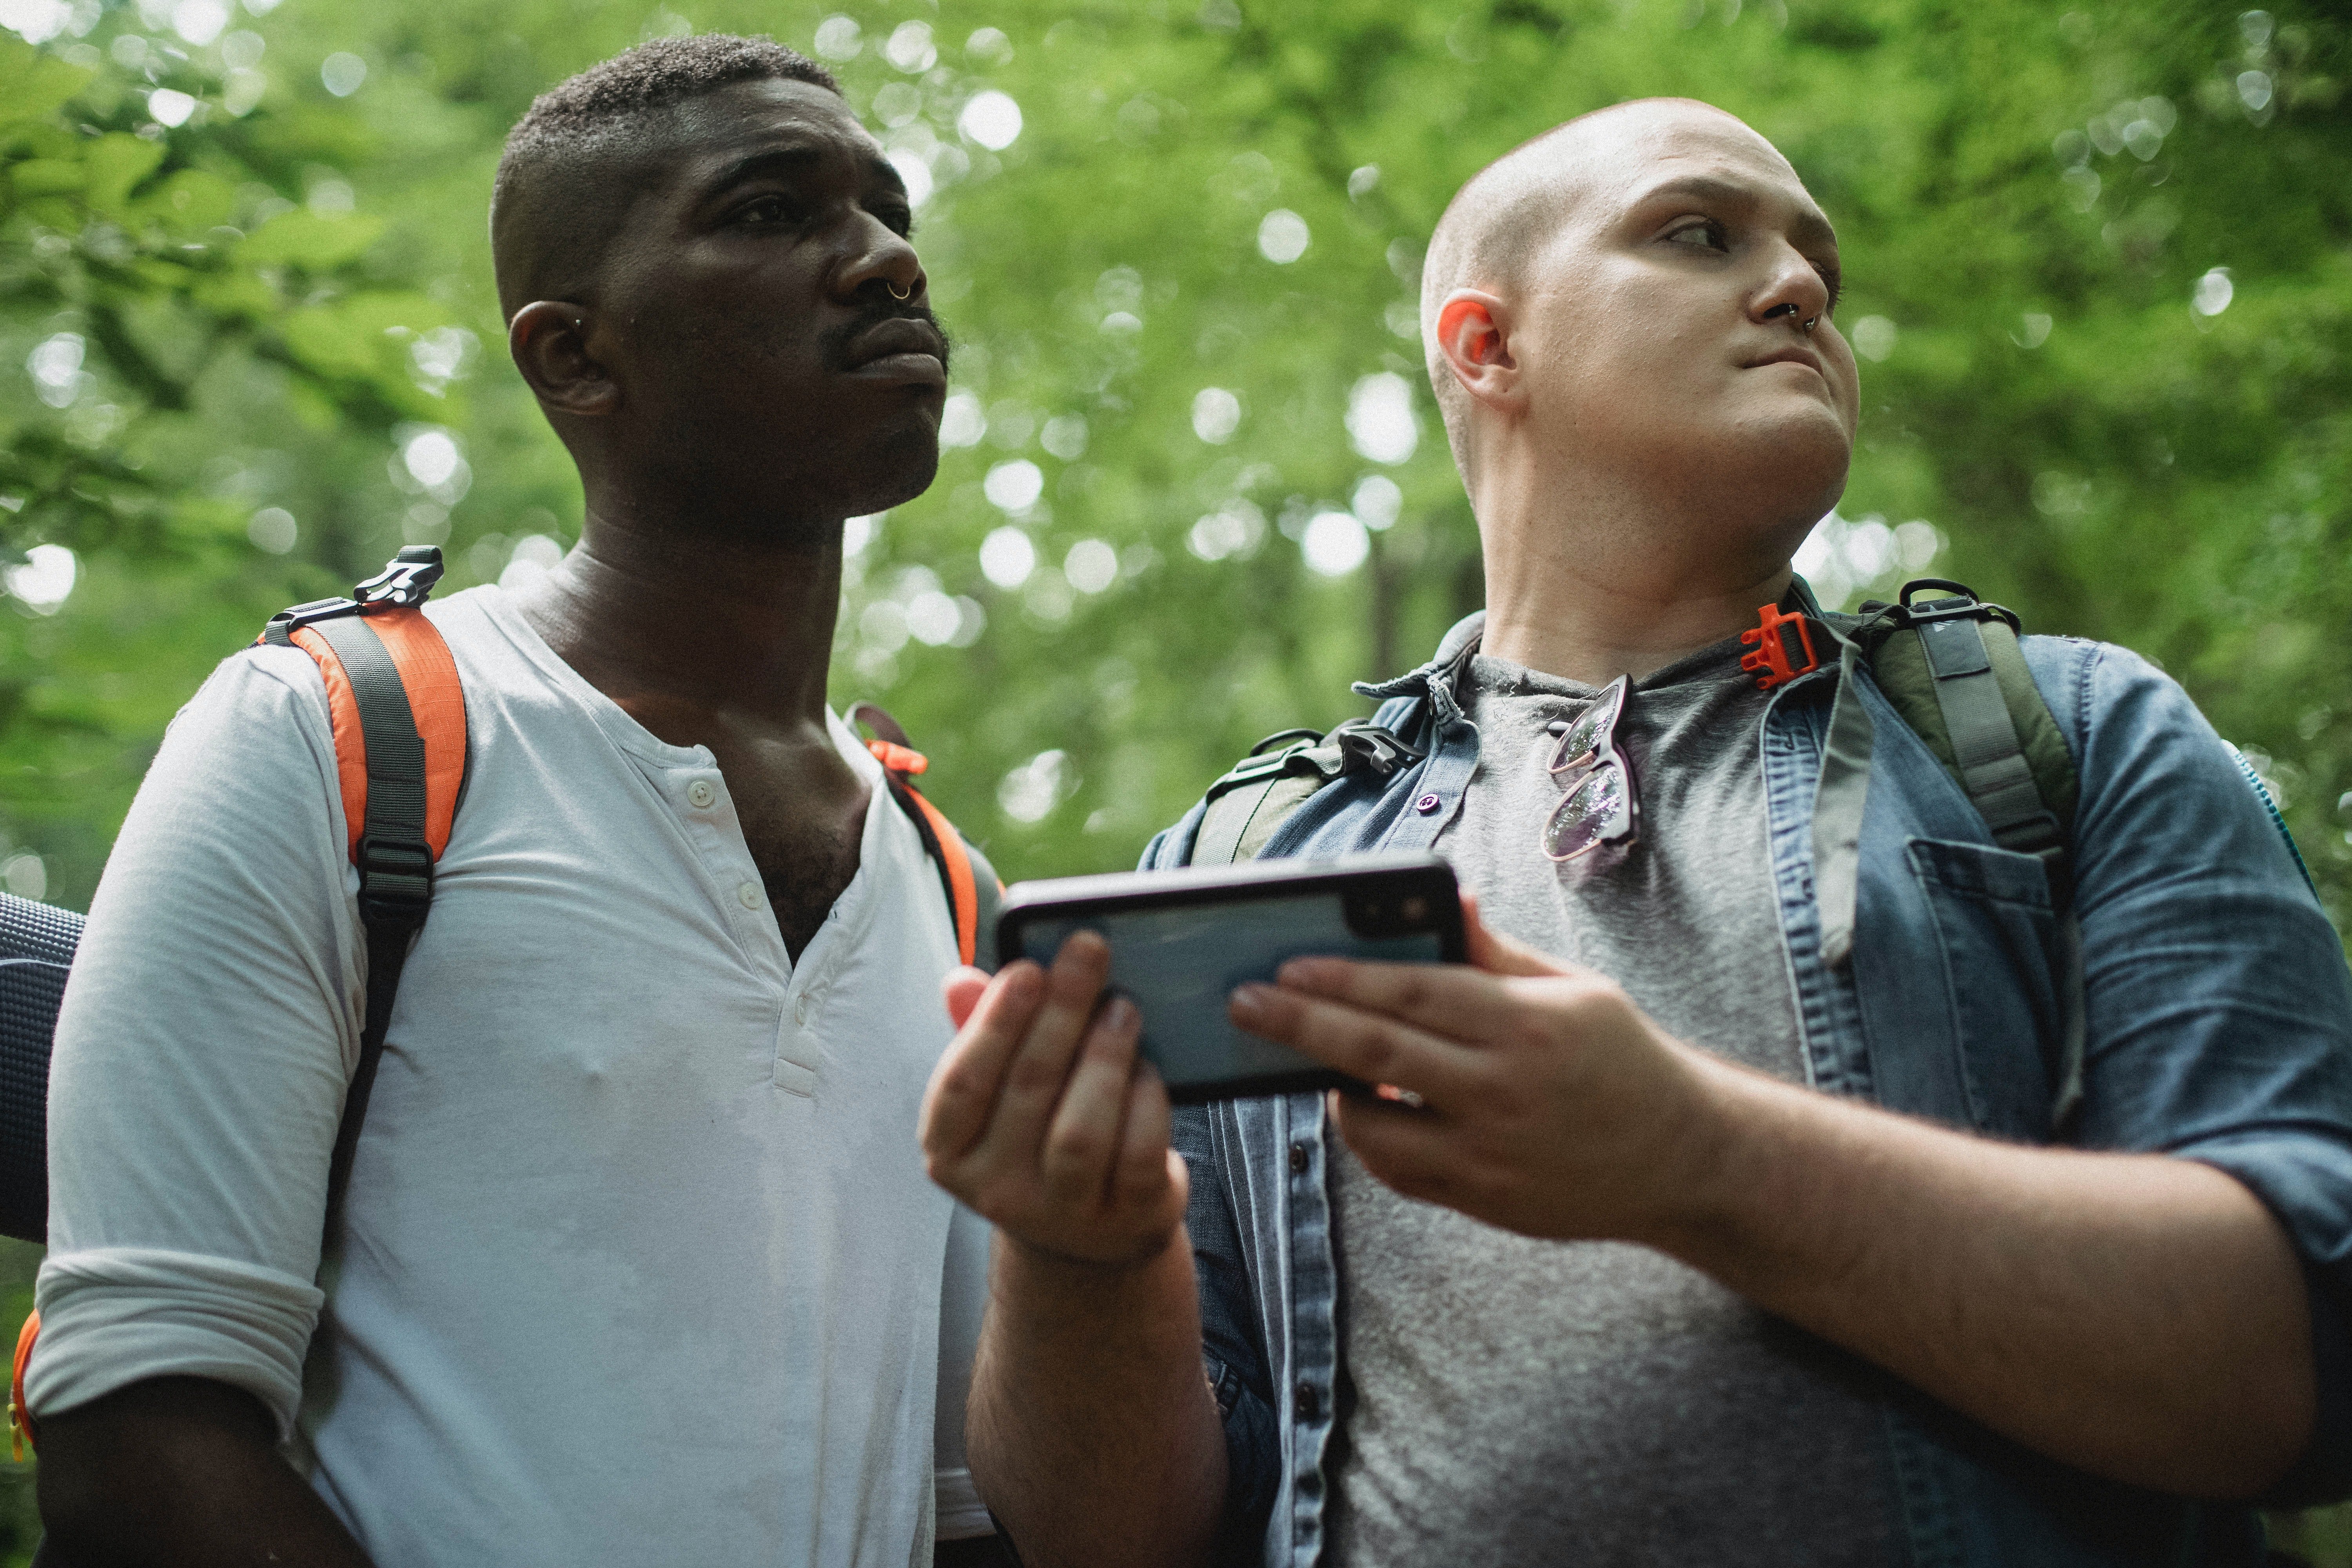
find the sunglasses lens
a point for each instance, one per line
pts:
(1583, 737)
(1588, 814)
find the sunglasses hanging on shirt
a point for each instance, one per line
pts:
(1602, 804)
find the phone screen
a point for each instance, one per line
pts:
(1180, 962)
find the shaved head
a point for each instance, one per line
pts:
(1502, 220)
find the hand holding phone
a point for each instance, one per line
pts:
(1038, 1120)
(1182, 942)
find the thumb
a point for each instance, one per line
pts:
(963, 987)
(1499, 954)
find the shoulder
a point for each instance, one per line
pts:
(261, 695)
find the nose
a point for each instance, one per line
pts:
(1792, 288)
(881, 256)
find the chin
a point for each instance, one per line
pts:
(893, 469)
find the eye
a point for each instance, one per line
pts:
(1700, 234)
(765, 212)
(898, 218)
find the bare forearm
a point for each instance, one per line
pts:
(2138, 1316)
(1093, 1434)
(179, 1471)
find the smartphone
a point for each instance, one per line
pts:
(1181, 940)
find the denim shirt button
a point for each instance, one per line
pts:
(1427, 803)
(1298, 1159)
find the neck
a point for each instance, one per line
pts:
(1597, 579)
(677, 615)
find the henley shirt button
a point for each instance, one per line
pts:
(700, 793)
(1427, 803)
(1298, 1159)
(800, 1009)
(750, 895)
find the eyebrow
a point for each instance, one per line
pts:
(796, 160)
(1810, 223)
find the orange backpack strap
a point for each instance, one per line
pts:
(399, 718)
(20, 1414)
(972, 891)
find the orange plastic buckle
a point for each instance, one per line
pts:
(1774, 654)
(896, 758)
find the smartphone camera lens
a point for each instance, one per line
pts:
(1416, 909)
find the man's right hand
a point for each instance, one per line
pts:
(1092, 1434)
(1041, 1118)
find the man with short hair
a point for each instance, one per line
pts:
(637, 1263)
(1700, 1233)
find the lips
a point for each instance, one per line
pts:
(902, 348)
(1792, 353)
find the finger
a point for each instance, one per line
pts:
(963, 988)
(1453, 1000)
(1034, 1079)
(1377, 1047)
(1499, 954)
(1083, 1140)
(1142, 1171)
(1407, 1149)
(965, 1085)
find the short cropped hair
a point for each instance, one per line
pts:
(570, 125)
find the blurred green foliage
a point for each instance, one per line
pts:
(2096, 263)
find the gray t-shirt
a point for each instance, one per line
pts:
(1510, 1400)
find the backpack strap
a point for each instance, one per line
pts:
(398, 715)
(1952, 670)
(20, 1414)
(973, 893)
(1265, 788)
(1952, 667)
(399, 718)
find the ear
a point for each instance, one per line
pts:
(552, 343)
(1474, 334)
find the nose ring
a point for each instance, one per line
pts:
(1807, 325)
(897, 293)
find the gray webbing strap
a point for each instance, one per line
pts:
(1985, 744)
(1226, 823)
(1993, 769)
(395, 864)
(1838, 804)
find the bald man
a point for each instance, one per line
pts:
(1692, 1245)
(637, 1263)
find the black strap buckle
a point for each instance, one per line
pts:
(395, 881)
(406, 581)
(1366, 748)
(1960, 602)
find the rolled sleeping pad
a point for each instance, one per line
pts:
(36, 949)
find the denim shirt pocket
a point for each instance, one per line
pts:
(1995, 925)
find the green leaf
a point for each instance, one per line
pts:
(35, 85)
(49, 176)
(117, 163)
(235, 294)
(191, 202)
(308, 240)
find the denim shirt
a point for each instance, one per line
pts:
(2219, 1027)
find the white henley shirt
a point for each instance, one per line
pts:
(639, 1264)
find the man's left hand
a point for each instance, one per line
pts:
(1548, 1104)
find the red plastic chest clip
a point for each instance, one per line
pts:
(1778, 639)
